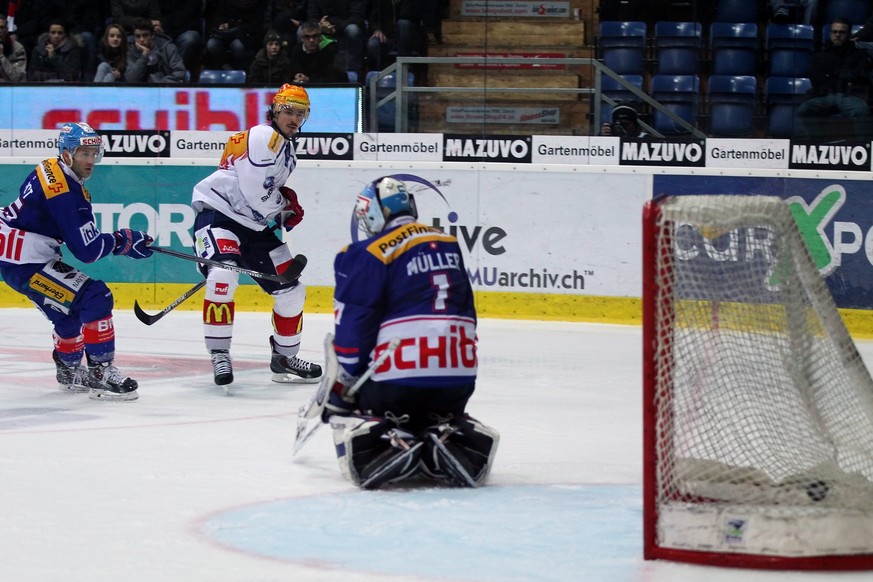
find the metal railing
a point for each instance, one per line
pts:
(402, 90)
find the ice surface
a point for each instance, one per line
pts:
(190, 484)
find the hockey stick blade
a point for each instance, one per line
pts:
(151, 319)
(315, 406)
(291, 273)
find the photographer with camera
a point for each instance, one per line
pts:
(624, 123)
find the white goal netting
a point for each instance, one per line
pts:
(762, 409)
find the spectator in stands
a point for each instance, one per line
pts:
(153, 58)
(183, 23)
(237, 29)
(625, 123)
(316, 59)
(287, 16)
(85, 21)
(432, 17)
(127, 12)
(793, 11)
(840, 76)
(56, 56)
(13, 58)
(343, 20)
(112, 55)
(395, 30)
(271, 66)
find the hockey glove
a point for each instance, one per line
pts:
(339, 401)
(293, 212)
(132, 243)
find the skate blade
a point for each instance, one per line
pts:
(96, 394)
(227, 391)
(294, 379)
(74, 389)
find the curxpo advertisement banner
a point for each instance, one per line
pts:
(835, 218)
(48, 106)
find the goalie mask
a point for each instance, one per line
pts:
(380, 202)
(74, 135)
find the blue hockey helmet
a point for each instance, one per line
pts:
(74, 135)
(381, 201)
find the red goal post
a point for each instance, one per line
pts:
(758, 410)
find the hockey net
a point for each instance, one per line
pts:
(758, 410)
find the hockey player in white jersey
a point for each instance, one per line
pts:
(235, 207)
(406, 281)
(54, 208)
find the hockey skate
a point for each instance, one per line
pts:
(70, 378)
(108, 383)
(222, 367)
(293, 369)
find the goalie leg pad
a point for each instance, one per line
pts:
(461, 451)
(372, 452)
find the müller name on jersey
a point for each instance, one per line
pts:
(435, 262)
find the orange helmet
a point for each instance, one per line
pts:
(292, 96)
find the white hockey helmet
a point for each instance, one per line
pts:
(382, 200)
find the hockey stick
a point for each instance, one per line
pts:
(288, 276)
(150, 319)
(315, 406)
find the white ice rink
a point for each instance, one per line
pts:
(188, 484)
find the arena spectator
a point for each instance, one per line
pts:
(112, 55)
(236, 32)
(395, 31)
(56, 56)
(343, 21)
(152, 58)
(272, 65)
(183, 22)
(316, 59)
(127, 12)
(13, 58)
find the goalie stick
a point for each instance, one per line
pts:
(315, 406)
(288, 276)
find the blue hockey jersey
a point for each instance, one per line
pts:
(53, 207)
(408, 282)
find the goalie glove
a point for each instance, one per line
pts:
(339, 401)
(292, 214)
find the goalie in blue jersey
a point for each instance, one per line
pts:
(54, 208)
(406, 281)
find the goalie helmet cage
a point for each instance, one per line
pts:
(758, 410)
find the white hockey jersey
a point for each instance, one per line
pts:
(245, 187)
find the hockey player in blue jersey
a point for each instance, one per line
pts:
(54, 208)
(406, 281)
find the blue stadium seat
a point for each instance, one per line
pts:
(678, 46)
(679, 94)
(789, 49)
(782, 95)
(610, 88)
(384, 86)
(222, 77)
(734, 48)
(622, 46)
(856, 11)
(737, 11)
(733, 101)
